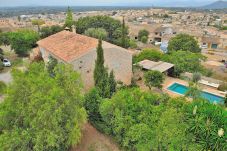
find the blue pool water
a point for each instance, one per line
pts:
(181, 89)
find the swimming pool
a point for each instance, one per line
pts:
(181, 89)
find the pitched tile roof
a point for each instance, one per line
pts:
(68, 45)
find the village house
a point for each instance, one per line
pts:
(80, 51)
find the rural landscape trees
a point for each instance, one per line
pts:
(42, 112)
(183, 42)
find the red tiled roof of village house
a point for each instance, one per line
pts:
(68, 45)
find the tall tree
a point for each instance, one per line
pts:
(105, 84)
(69, 19)
(154, 79)
(42, 112)
(23, 41)
(143, 34)
(100, 72)
(123, 40)
(112, 83)
(183, 42)
(38, 23)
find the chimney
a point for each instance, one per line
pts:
(74, 29)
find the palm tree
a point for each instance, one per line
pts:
(194, 92)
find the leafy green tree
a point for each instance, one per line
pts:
(47, 31)
(140, 121)
(42, 112)
(149, 54)
(4, 38)
(138, 137)
(52, 63)
(154, 79)
(38, 23)
(98, 33)
(185, 61)
(101, 76)
(23, 41)
(123, 32)
(112, 26)
(183, 42)
(92, 103)
(69, 22)
(143, 34)
(170, 131)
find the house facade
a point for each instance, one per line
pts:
(80, 51)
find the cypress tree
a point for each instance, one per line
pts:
(104, 82)
(123, 38)
(112, 83)
(99, 64)
(69, 19)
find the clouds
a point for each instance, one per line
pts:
(103, 2)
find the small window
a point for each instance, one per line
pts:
(80, 67)
(88, 71)
(81, 61)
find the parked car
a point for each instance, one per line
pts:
(6, 63)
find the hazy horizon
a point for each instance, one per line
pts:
(158, 3)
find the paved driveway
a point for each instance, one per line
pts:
(6, 77)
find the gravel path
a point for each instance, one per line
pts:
(6, 77)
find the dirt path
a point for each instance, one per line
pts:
(93, 140)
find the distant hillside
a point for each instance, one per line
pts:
(216, 5)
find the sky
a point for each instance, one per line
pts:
(168, 3)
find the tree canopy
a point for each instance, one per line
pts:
(47, 31)
(113, 27)
(146, 121)
(42, 112)
(183, 42)
(154, 79)
(98, 33)
(69, 22)
(184, 61)
(143, 35)
(104, 82)
(22, 41)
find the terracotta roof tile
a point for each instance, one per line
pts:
(68, 45)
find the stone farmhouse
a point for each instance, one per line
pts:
(80, 51)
